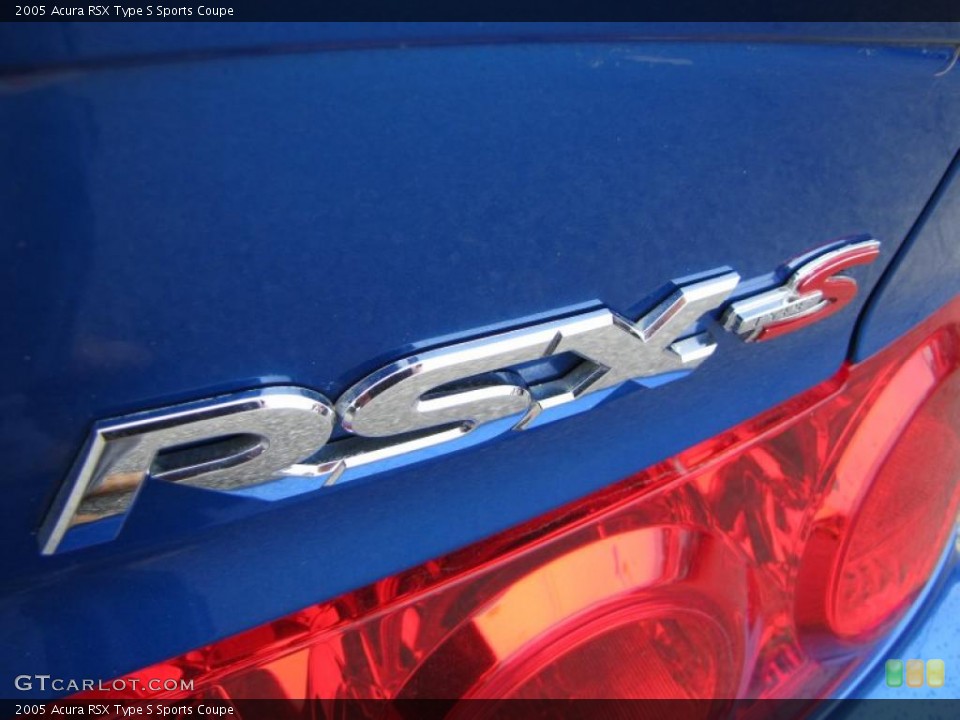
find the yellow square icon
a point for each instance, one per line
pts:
(914, 673)
(935, 673)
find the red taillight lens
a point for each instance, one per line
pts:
(583, 616)
(876, 537)
(761, 563)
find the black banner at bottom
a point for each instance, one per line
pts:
(907, 709)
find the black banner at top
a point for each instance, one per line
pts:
(137, 11)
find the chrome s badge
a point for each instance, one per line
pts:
(276, 442)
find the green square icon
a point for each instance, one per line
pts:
(894, 673)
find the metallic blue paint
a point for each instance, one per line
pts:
(32, 46)
(178, 229)
(925, 275)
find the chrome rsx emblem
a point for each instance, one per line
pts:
(812, 292)
(274, 443)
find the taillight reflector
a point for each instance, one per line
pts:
(761, 563)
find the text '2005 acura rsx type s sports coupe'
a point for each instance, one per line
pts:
(406, 370)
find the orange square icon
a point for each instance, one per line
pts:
(914, 673)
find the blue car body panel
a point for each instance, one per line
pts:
(178, 229)
(924, 277)
(33, 46)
